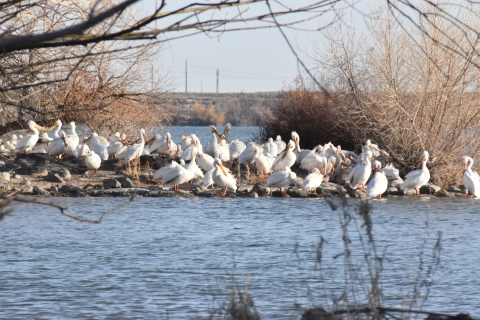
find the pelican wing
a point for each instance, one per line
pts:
(377, 185)
(160, 173)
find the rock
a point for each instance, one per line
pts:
(253, 194)
(41, 171)
(69, 188)
(330, 189)
(297, 193)
(356, 193)
(409, 192)
(26, 186)
(442, 193)
(189, 187)
(64, 174)
(53, 188)
(54, 177)
(143, 178)
(455, 189)
(261, 189)
(14, 176)
(395, 183)
(125, 182)
(341, 176)
(24, 171)
(111, 183)
(4, 176)
(22, 162)
(246, 188)
(393, 191)
(40, 191)
(429, 189)
(278, 194)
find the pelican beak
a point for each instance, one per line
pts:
(42, 128)
(47, 130)
(222, 168)
(465, 166)
(296, 144)
(146, 138)
(183, 138)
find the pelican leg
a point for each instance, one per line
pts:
(284, 194)
(314, 191)
(175, 188)
(379, 197)
(417, 192)
(213, 186)
(223, 192)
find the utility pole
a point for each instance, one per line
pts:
(186, 76)
(218, 73)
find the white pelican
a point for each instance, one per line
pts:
(370, 146)
(160, 173)
(197, 173)
(312, 181)
(235, 148)
(285, 159)
(187, 141)
(58, 146)
(179, 175)
(314, 160)
(93, 161)
(281, 145)
(82, 151)
(247, 154)
(195, 146)
(376, 165)
(377, 185)
(163, 145)
(471, 180)
(359, 175)
(208, 179)
(271, 148)
(297, 150)
(391, 172)
(417, 178)
(135, 150)
(282, 178)
(338, 157)
(261, 161)
(72, 141)
(29, 140)
(221, 177)
(98, 144)
(215, 149)
(116, 145)
(204, 161)
(57, 126)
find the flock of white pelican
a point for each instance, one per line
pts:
(272, 159)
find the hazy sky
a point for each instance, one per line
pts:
(248, 61)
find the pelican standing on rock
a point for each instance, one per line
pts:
(312, 181)
(377, 186)
(359, 175)
(471, 180)
(417, 178)
(221, 177)
(28, 142)
(93, 161)
(136, 149)
(281, 179)
(179, 175)
(286, 159)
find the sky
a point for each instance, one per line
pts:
(247, 61)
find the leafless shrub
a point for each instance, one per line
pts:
(407, 91)
(313, 115)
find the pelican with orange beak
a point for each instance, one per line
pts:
(471, 180)
(136, 150)
(221, 177)
(313, 181)
(281, 179)
(179, 174)
(417, 178)
(28, 141)
(286, 158)
(359, 175)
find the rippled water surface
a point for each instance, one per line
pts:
(162, 258)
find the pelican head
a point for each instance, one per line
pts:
(291, 144)
(369, 155)
(315, 170)
(279, 138)
(270, 140)
(33, 126)
(227, 128)
(218, 163)
(58, 124)
(466, 160)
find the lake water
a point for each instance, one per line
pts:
(173, 258)
(169, 258)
